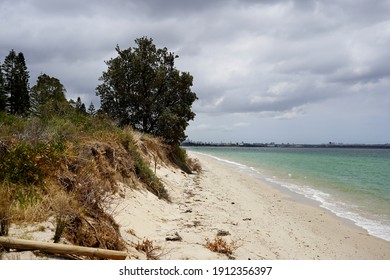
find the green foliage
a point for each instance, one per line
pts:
(178, 156)
(10, 122)
(80, 106)
(91, 110)
(142, 88)
(144, 173)
(16, 86)
(26, 165)
(60, 227)
(3, 96)
(48, 97)
(32, 149)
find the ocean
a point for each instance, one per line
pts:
(352, 183)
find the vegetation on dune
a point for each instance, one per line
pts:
(69, 168)
(59, 160)
(142, 88)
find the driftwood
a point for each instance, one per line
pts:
(55, 248)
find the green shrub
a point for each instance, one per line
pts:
(178, 156)
(10, 124)
(27, 164)
(144, 173)
(24, 166)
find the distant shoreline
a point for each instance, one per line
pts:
(273, 145)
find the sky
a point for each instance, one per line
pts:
(298, 71)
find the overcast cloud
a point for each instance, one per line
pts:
(282, 71)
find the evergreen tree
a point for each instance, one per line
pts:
(3, 96)
(91, 110)
(80, 107)
(48, 97)
(16, 83)
(142, 88)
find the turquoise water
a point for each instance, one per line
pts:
(352, 183)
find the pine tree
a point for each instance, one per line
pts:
(80, 107)
(3, 96)
(16, 83)
(91, 110)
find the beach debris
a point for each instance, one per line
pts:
(220, 245)
(193, 224)
(152, 252)
(174, 237)
(223, 232)
(62, 249)
(247, 219)
(196, 223)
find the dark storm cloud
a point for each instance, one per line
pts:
(319, 52)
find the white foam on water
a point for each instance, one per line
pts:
(229, 162)
(374, 227)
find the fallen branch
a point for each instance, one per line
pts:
(55, 248)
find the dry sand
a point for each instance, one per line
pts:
(264, 222)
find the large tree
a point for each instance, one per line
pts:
(16, 83)
(48, 96)
(142, 88)
(3, 96)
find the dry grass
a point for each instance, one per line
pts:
(131, 232)
(152, 252)
(195, 165)
(220, 245)
(5, 211)
(65, 208)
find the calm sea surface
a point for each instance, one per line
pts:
(352, 183)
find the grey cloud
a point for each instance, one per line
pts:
(269, 101)
(272, 59)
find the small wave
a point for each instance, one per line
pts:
(229, 162)
(340, 209)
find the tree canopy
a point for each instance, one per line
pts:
(142, 88)
(48, 96)
(15, 84)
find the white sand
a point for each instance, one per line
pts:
(264, 222)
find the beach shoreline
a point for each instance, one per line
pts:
(261, 221)
(289, 193)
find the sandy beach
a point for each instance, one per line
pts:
(264, 223)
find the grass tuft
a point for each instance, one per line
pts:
(5, 213)
(220, 245)
(152, 252)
